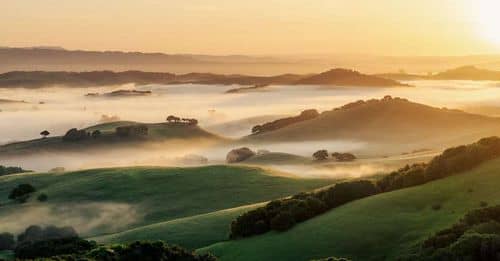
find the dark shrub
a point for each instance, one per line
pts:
(7, 241)
(42, 197)
(53, 247)
(37, 233)
(343, 156)
(283, 221)
(96, 134)
(156, 251)
(21, 192)
(436, 206)
(75, 135)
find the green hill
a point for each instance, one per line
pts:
(145, 196)
(381, 227)
(156, 132)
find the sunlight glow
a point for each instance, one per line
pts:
(489, 20)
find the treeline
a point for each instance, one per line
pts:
(450, 162)
(53, 243)
(4, 170)
(278, 124)
(475, 237)
(282, 214)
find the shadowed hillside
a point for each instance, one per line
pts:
(347, 78)
(390, 120)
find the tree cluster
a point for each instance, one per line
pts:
(278, 124)
(75, 134)
(178, 120)
(321, 155)
(282, 214)
(63, 243)
(11, 170)
(475, 237)
(452, 161)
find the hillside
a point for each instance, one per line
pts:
(390, 120)
(119, 199)
(401, 219)
(38, 79)
(468, 73)
(344, 77)
(108, 136)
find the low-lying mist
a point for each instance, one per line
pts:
(86, 218)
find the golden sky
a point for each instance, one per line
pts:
(383, 27)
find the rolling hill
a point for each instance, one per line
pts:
(343, 77)
(108, 136)
(388, 120)
(38, 79)
(467, 73)
(138, 199)
(400, 219)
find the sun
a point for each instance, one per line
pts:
(488, 18)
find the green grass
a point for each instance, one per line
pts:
(380, 227)
(7, 255)
(158, 194)
(190, 232)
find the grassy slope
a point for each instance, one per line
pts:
(160, 194)
(190, 232)
(156, 132)
(376, 228)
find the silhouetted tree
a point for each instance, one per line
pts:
(320, 155)
(7, 241)
(45, 133)
(21, 192)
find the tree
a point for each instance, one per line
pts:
(42, 197)
(7, 241)
(96, 134)
(45, 133)
(320, 155)
(21, 192)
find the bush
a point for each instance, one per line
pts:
(7, 241)
(37, 233)
(42, 197)
(53, 247)
(75, 135)
(21, 192)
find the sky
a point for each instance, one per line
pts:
(257, 27)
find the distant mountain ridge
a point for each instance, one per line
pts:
(468, 73)
(35, 79)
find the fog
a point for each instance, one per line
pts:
(58, 109)
(86, 218)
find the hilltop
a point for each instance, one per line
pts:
(344, 77)
(111, 135)
(38, 79)
(390, 120)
